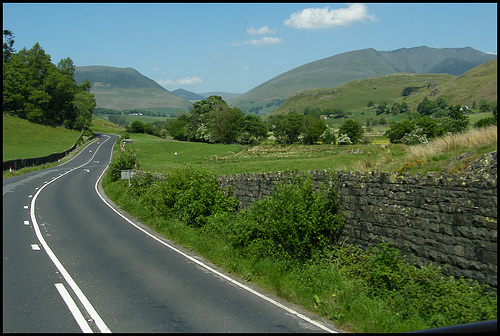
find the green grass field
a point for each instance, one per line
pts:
(158, 155)
(23, 139)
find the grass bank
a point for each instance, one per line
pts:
(23, 139)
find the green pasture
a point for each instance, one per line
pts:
(23, 139)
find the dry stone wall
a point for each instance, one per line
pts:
(449, 220)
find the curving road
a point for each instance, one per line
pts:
(73, 262)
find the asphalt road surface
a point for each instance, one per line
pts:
(73, 262)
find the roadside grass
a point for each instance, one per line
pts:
(23, 139)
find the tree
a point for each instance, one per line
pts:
(398, 130)
(83, 103)
(381, 108)
(8, 45)
(312, 129)
(353, 130)
(136, 127)
(36, 89)
(176, 128)
(456, 121)
(427, 107)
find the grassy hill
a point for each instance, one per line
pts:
(474, 85)
(367, 63)
(23, 139)
(126, 89)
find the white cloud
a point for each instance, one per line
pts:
(260, 31)
(182, 81)
(316, 18)
(156, 68)
(258, 42)
(190, 81)
(242, 65)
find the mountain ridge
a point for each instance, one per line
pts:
(358, 64)
(126, 89)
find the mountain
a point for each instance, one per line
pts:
(472, 86)
(188, 95)
(366, 63)
(227, 96)
(127, 89)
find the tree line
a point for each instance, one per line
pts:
(37, 90)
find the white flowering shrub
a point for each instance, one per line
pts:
(344, 140)
(415, 137)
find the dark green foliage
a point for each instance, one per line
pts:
(126, 160)
(487, 121)
(36, 89)
(398, 130)
(408, 90)
(189, 194)
(298, 128)
(295, 223)
(427, 107)
(353, 129)
(212, 120)
(417, 292)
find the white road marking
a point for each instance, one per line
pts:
(26, 222)
(26, 207)
(83, 299)
(35, 247)
(73, 308)
(210, 269)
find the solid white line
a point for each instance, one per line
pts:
(289, 310)
(83, 299)
(82, 323)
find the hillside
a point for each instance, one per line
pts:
(188, 95)
(126, 89)
(474, 85)
(366, 63)
(23, 139)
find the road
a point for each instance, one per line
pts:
(74, 262)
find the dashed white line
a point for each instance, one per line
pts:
(78, 292)
(35, 247)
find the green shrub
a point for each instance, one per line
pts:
(126, 160)
(294, 223)
(192, 195)
(417, 292)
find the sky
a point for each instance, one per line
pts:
(234, 47)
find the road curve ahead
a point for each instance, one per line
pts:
(73, 262)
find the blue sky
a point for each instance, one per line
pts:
(234, 47)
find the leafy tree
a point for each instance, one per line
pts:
(313, 128)
(381, 108)
(136, 127)
(353, 130)
(8, 45)
(431, 127)
(456, 121)
(176, 128)
(36, 89)
(484, 105)
(398, 130)
(427, 107)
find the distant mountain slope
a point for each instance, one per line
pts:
(187, 94)
(474, 85)
(126, 89)
(366, 63)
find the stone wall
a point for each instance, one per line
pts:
(448, 220)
